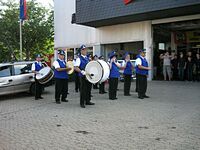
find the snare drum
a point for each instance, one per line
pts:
(45, 75)
(97, 71)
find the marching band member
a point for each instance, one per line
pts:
(61, 77)
(128, 71)
(142, 69)
(36, 67)
(114, 75)
(102, 84)
(77, 81)
(80, 65)
(95, 86)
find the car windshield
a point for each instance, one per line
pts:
(5, 71)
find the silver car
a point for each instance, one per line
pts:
(16, 77)
(121, 71)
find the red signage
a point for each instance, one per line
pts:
(126, 2)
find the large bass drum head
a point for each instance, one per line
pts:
(43, 73)
(93, 71)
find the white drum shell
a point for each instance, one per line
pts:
(106, 70)
(99, 70)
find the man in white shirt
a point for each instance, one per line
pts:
(36, 67)
(142, 74)
(76, 78)
(85, 85)
(61, 77)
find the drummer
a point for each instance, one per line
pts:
(114, 75)
(76, 76)
(61, 77)
(36, 67)
(128, 71)
(95, 86)
(102, 84)
(80, 65)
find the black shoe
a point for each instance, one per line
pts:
(100, 92)
(140, 97)
(91, 95)
(76, 91)
(90, 103)
(112, 98)
(115, 98)
(145, 96)
(104, 92)
(64, 100)
(36, 98)
(58, 102)
(40, 97)
(82, 106)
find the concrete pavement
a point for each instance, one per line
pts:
(169, 120)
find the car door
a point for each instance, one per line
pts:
(6, 80)
(23, 77)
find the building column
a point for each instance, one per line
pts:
(55, 54)
(97, 50)
(148, 45)
(173, 44)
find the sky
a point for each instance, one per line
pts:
(45, 3)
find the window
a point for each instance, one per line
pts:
(5, 71)
(22, 69)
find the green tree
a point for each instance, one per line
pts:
(37, 31)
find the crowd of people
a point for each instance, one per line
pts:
(181, 67)
(83, 86)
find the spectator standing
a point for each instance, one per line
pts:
(174, 63)
(166, 65)
(197, 66)
(189, 69)
(181, 67)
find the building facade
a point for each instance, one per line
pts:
(128, 25)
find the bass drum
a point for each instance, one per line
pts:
(97, 71)
(45, 75)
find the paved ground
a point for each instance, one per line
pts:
(169, 120)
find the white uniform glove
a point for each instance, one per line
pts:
(83, 72)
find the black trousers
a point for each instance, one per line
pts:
(102, 87)
(38, 89)
(175, 74)
(136, 83)
(127, 84)
(95, 86)
(85, 91)
(77, 82)
(142, 85)
(113, 83)
(61, 89)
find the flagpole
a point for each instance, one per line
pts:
(20, 26)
